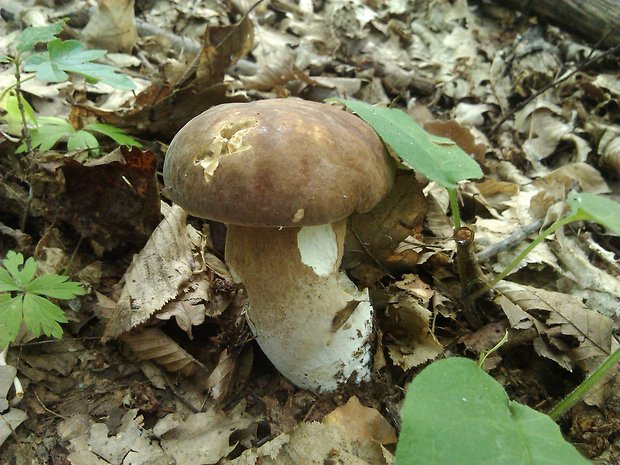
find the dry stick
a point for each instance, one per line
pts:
(471, 276)
(517, 237)
(580, 66)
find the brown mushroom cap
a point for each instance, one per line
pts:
(279, 162)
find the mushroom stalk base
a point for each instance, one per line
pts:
(310, 320)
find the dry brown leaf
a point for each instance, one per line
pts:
(153, 344)
(205, 437)
(591, 331)
(155, 276)
(230, 373)
(187, 313)
(316, 444)
(112, 26)
(361, 422)
(415, 343)
(588, 178)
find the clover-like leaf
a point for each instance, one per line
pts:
(23, 299)
(116, 134)
(31, 36)
(70, 56)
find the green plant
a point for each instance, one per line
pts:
(456, 414)
(470, 418)
(437, 158)
(60, 58)
(24, 299)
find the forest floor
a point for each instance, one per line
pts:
(178, 378)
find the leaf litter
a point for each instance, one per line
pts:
(178, 306)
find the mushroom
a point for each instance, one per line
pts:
(284, 175)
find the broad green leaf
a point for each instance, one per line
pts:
(10, 318)
(83, 140)
(116, 134)
(437, 158)
(456, 414)
(42, 316)
(70, 56)
(56, 286)
(595, 208)
(31, 36)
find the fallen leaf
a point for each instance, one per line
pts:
(112, 26)
(361, 422)
(155, 276)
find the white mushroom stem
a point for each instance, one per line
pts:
(312, 322)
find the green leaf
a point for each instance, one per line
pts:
(42, 316)
(70, 56)
(49, 132)
(456, 414)
(56, 286)
(595, 208)
(116, 134)
(12, 263)
(7, 283)
(31, 36)
(12, 115)
(437, 158)
(10, 318)
(83, 140)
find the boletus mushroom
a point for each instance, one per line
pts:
(284, 175)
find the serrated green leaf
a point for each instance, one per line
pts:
(437, 158)
(27, 272)
(12, 262)
(70, 56)
(456, 414)
(56, 286)
(7, 283)
(42, 316)
(118, 135)
(83, 140)
(10, 318)
(31, 36)
(598, 209)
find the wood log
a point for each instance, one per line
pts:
(595, 20)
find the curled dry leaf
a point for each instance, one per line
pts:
(409, 340)
(361, 422)
(186, 313)
(155, 276)
(231, 371)
(155, 345)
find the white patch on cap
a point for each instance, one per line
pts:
(318, 248)
(298, 216)
(228, 141)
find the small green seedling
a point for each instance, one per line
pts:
(584, 207)
(61, 58)
(24, 299)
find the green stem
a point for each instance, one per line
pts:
(454, 207)
(541, 237)
(570, 400)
